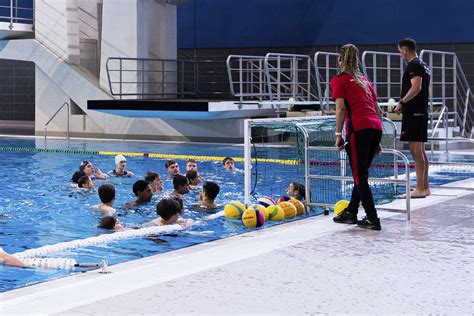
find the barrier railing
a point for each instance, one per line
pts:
(166, 78)
(290, 76)
(449, 86)
(326, 67)
(17, 13)
(385, 71)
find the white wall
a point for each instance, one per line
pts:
(162, 44)
(49, 97)
(57, 27)
(89, 35)
(87, 17)
(137, 29)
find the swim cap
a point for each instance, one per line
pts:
(119, 158)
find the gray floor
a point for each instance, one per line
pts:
(421, 266)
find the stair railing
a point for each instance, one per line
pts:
(54, 115)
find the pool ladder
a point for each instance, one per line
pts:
(54, 115)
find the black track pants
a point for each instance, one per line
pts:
(360, 148)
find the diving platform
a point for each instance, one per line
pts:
(177, 109)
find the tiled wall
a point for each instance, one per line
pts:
(17, 90)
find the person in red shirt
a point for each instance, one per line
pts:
(356, 103)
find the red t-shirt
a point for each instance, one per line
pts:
(360, 107)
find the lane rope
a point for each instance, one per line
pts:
(151, 155)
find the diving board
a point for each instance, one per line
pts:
(181, 109)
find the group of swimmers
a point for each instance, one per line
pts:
(168, 208)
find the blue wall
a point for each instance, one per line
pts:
(272, 23)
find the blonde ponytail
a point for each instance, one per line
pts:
(350, 65)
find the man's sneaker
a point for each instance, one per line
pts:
(369, 223)
(345, 218)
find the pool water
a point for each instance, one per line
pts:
(39, 207)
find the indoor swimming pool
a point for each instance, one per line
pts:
(38, 205)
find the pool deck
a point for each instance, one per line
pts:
(424, 265)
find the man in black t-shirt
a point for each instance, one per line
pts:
(414, 106)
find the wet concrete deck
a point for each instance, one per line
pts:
(311, 266)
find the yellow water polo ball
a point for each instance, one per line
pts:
(261, 208)
(299, 206)
(340, 206)
(234, 210)
(253, 218)
(275, 213)
(288, 208)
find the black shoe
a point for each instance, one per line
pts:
(369, 223)
(345, 217)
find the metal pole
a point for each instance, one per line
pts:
(68, 112)
(389, 79)
(407, 186)
(446, 123)
(143, 77)
(247, 160)
(11, 15)
(120, 78)
(162, 78)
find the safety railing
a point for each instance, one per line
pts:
(65, 104)
(17, 12)
(275, 79)
(326, 67)
(290, 76)
(385, 71)
(166, 78)
(449, 86)
(247, 79)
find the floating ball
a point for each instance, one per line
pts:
(275, 213)
(283, 198)
(340, 206)
(234, 210)
(288, 208)
(266, 201)
(298, 204)
(253, 218)
(260, 208)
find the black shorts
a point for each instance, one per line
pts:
(414, 127)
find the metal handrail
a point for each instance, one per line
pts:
(54, 115)
(293, 84)
(14, 9)
(324, 97)
(251, 80)
(452, 78)
(441, 115)
(179, 80)
(373, 72)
